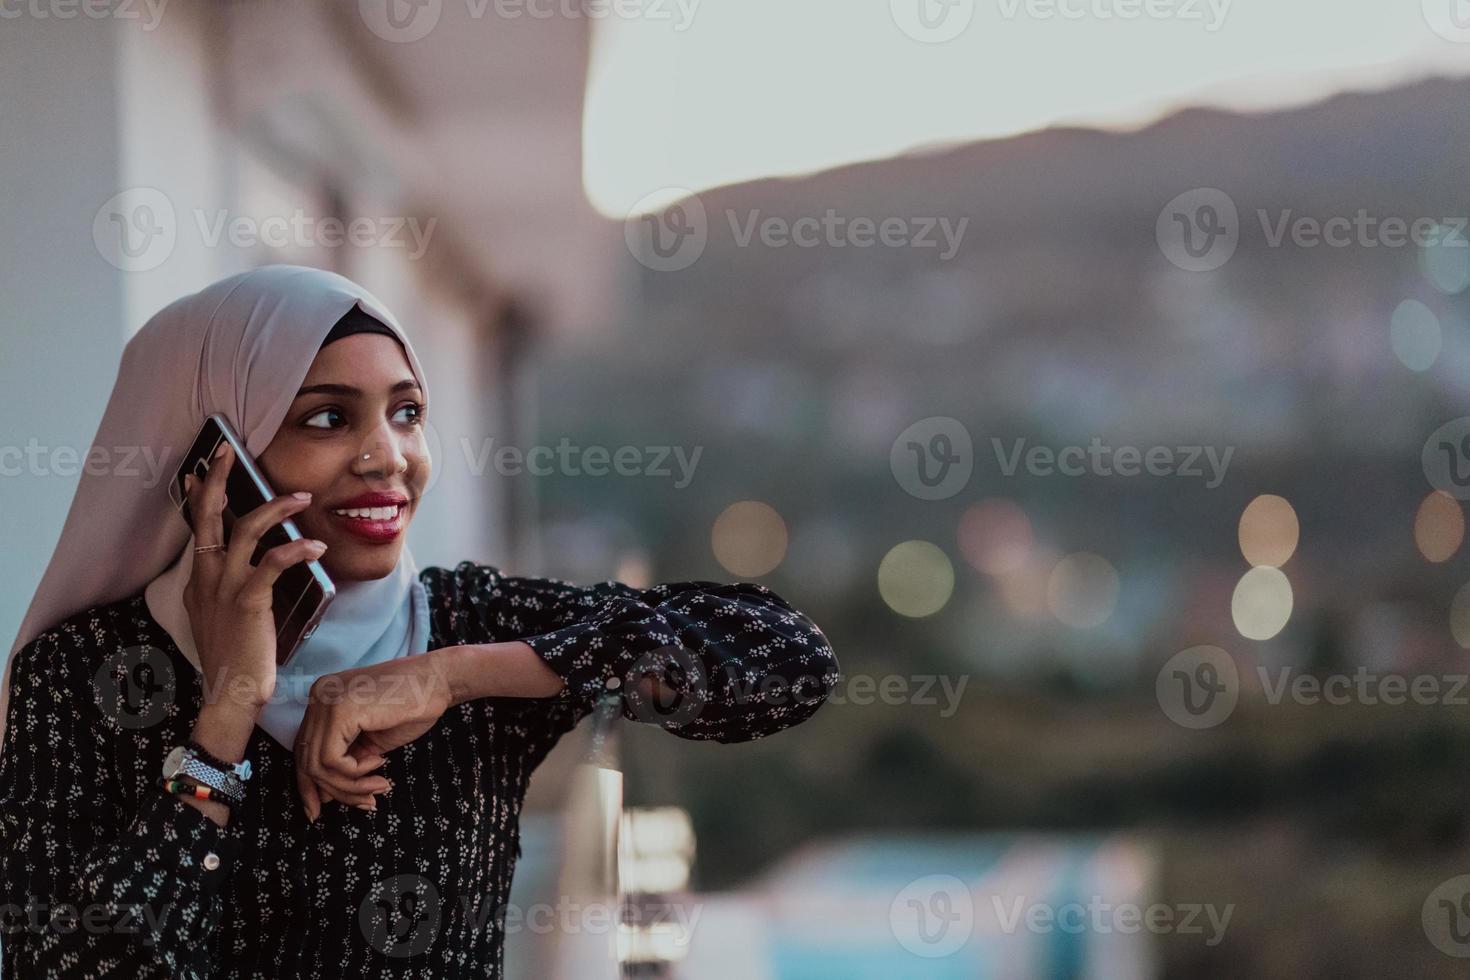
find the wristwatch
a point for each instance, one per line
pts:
(188, 761)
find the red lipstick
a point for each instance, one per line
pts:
(378, 518)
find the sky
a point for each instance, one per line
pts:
(693, 94)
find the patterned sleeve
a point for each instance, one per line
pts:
(93, 886)
(737, 660)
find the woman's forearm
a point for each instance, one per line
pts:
(496, 670)
(511, 670)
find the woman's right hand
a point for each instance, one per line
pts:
(228, 599)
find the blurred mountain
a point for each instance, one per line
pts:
(1059, 273)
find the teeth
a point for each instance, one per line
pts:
(370, 513)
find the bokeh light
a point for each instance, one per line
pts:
(995, 536)
(634, 568)
(1082, 590)
(1460, 616)
(1439, 526)
(749, 538)
(1446, 263)
(1416, 336)
(1024, 588)
(916, 579)
(1268, 531)
(1262, 603)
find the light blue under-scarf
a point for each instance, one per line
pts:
(368, 623)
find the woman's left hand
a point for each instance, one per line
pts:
(355, 716)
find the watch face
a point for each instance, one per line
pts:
(173, 761)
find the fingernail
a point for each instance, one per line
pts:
(390, 787)
(316, 546)
(219, 451)
(301, 495)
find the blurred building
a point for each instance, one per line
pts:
(154, 149)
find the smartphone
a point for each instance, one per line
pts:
(303, 591)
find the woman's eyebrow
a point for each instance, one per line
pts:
(347, 391)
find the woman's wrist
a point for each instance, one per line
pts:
(457, 665)
(224, 730)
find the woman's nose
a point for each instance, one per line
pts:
(382, 456)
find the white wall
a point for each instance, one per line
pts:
(64, 309)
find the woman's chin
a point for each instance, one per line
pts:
(356, 563)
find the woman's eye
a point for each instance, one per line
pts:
(417, 411)
(322, 414)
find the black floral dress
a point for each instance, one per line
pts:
(102, 874)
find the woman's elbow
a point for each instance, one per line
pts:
(786, 696)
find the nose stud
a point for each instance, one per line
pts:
(402, 466)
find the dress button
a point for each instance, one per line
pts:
(211, 861)
(613, 683)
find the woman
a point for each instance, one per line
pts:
(399, 739)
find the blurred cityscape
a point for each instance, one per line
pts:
(1121, 468)
(1286, 373)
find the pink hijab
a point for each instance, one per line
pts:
(240, 347)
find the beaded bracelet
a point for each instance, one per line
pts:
(185, 787)
(207, 756)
